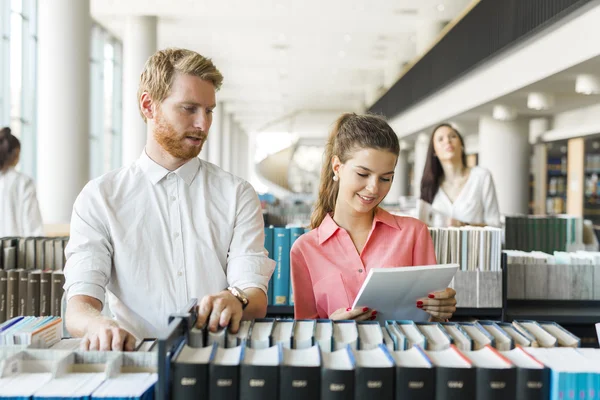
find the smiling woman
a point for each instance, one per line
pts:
(351, 234)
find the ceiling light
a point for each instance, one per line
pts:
(281, 37)
(540, 101)
(283, 73)
(412, 38)
(587, 84)
(441, 7)
(342, 53)
(347, 38)
(504, 113)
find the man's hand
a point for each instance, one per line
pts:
(104, 334)
(220, 310)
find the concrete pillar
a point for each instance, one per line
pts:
(215, 135)
(64, 98)
(139, 43)
(235, 148)
(537, 127)
(421, 146)
(399, 185)
(497, 140)
(427, 33)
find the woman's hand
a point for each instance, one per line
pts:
(357, 314)
(440, 305)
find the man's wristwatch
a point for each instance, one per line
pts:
(240, 295)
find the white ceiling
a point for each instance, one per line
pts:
(306, 59)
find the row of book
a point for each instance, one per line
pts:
(46, 253)
(63, 374)
(30, 293)
(544, 233)
(470, 247)
(344, 359)
(394, 335)
(278, 243)
(557, 276)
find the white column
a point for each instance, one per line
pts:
(537, 127)
(421, 146)
(401, 174)
(427, 33)
(139, 43)
(64, 102)
(498, 140)
(243, 152)
(215, 135)
(395, 192)
(228, 124)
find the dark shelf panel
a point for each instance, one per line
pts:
(493, 313)
(578, 312)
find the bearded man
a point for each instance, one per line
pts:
(148, 237)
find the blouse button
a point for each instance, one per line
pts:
(360, 270)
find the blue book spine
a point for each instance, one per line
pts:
(295, 233)
(281, 278)
(269, 248)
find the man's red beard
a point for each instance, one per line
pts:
(174, 143)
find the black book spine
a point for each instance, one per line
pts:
(496, 384)
(23, 282)
(374, 383)
(3, 289)
(337, 384)
(533, 384)
(259, 382)
(299, 383)
(12, 294)
(190, 381)
(455, 383)
(45, 289)
(415, 383)
(224, 382)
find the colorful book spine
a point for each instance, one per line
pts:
(281, 278)
(295, 233)
(269, 248)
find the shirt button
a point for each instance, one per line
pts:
(171, 175)
(176, 235)
(180, 273)
(360, 270)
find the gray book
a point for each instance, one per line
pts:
(3, 288)
(465, 284)
(23, 281)
(536, 281)
(33, 291)
(10, 258)
(582, 283)
(515, 281)
(490, 289)
(558, 275)
(12, 294)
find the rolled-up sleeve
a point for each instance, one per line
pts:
(89, 251)
(247, 262)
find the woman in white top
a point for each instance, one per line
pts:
(19, 209)
(451, 193)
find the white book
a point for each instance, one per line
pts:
(192, 355)
(516, 336)
(234, 340)
(345, 333)
(564, 337)
(337, 360)
(266, 357)
(449, 358)
(394, 292)
(374, 358)
(478, 334)
(414, 357)
(132, 385)
(303, 334)
(218, 337)
(502, 340)
(369, 336)
(231, 356)
(261, 334)
(437, 339)
(544, 338)
(397, 336)
(387, 339)
(302, 358)
(413, 335)
(488, 358)
(522, 359)
(282, 333)
(324, 335)
(461, 339)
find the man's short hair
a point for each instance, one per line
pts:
(161, 67)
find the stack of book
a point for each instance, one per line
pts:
(471, 247)
(65, 374)
(279, 242)
(544, 233)
(557, 276)
(344, 359)
(478, 282)
(31, 276)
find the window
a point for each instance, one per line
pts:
(18, 76)
(105, 102)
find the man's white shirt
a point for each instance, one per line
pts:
(155, 239)
(19, 208)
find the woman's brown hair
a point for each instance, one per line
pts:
(433, 171)
(350, 132)
(9, 145)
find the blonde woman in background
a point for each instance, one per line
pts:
(19, 209)
(453, 194)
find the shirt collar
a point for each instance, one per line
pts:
(156, 172)
(328, 227)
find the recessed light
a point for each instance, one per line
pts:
(347, 38)
(342, 53)
(412, 38)
(540, 101)
(441, 7)
(587, 84)
(502, 112)
(282, 37)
